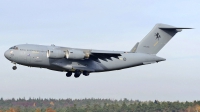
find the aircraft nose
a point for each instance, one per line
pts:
(6, 54)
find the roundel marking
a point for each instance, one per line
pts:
(124, 59)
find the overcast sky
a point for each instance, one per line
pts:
(104, 25)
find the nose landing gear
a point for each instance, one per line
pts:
(14, 68)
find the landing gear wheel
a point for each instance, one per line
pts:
(68, 74)
(77, 73)
(14, 67)
(86, 73)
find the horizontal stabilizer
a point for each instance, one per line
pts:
(168, 28)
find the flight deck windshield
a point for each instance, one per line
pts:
(16, 48)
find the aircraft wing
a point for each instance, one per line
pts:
(104, 55)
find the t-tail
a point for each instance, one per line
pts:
(156, 39)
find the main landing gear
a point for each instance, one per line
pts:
(77, 73)
(68, 74)
(86, 73)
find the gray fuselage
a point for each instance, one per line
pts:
(36, 56)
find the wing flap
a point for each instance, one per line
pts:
(104, 55)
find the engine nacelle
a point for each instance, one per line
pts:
(56, 54)
(76, 54)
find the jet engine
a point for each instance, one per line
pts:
(76, 54)
(56, 54)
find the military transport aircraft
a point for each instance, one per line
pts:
(86, 61)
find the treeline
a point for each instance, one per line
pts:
(95, 105)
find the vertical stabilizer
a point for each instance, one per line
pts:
(156, 39)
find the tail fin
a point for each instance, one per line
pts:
(156, 39)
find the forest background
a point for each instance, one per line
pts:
(95, 105)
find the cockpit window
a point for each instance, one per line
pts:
(16, 48)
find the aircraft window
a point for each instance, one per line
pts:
(16, 48)
(11, 48)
